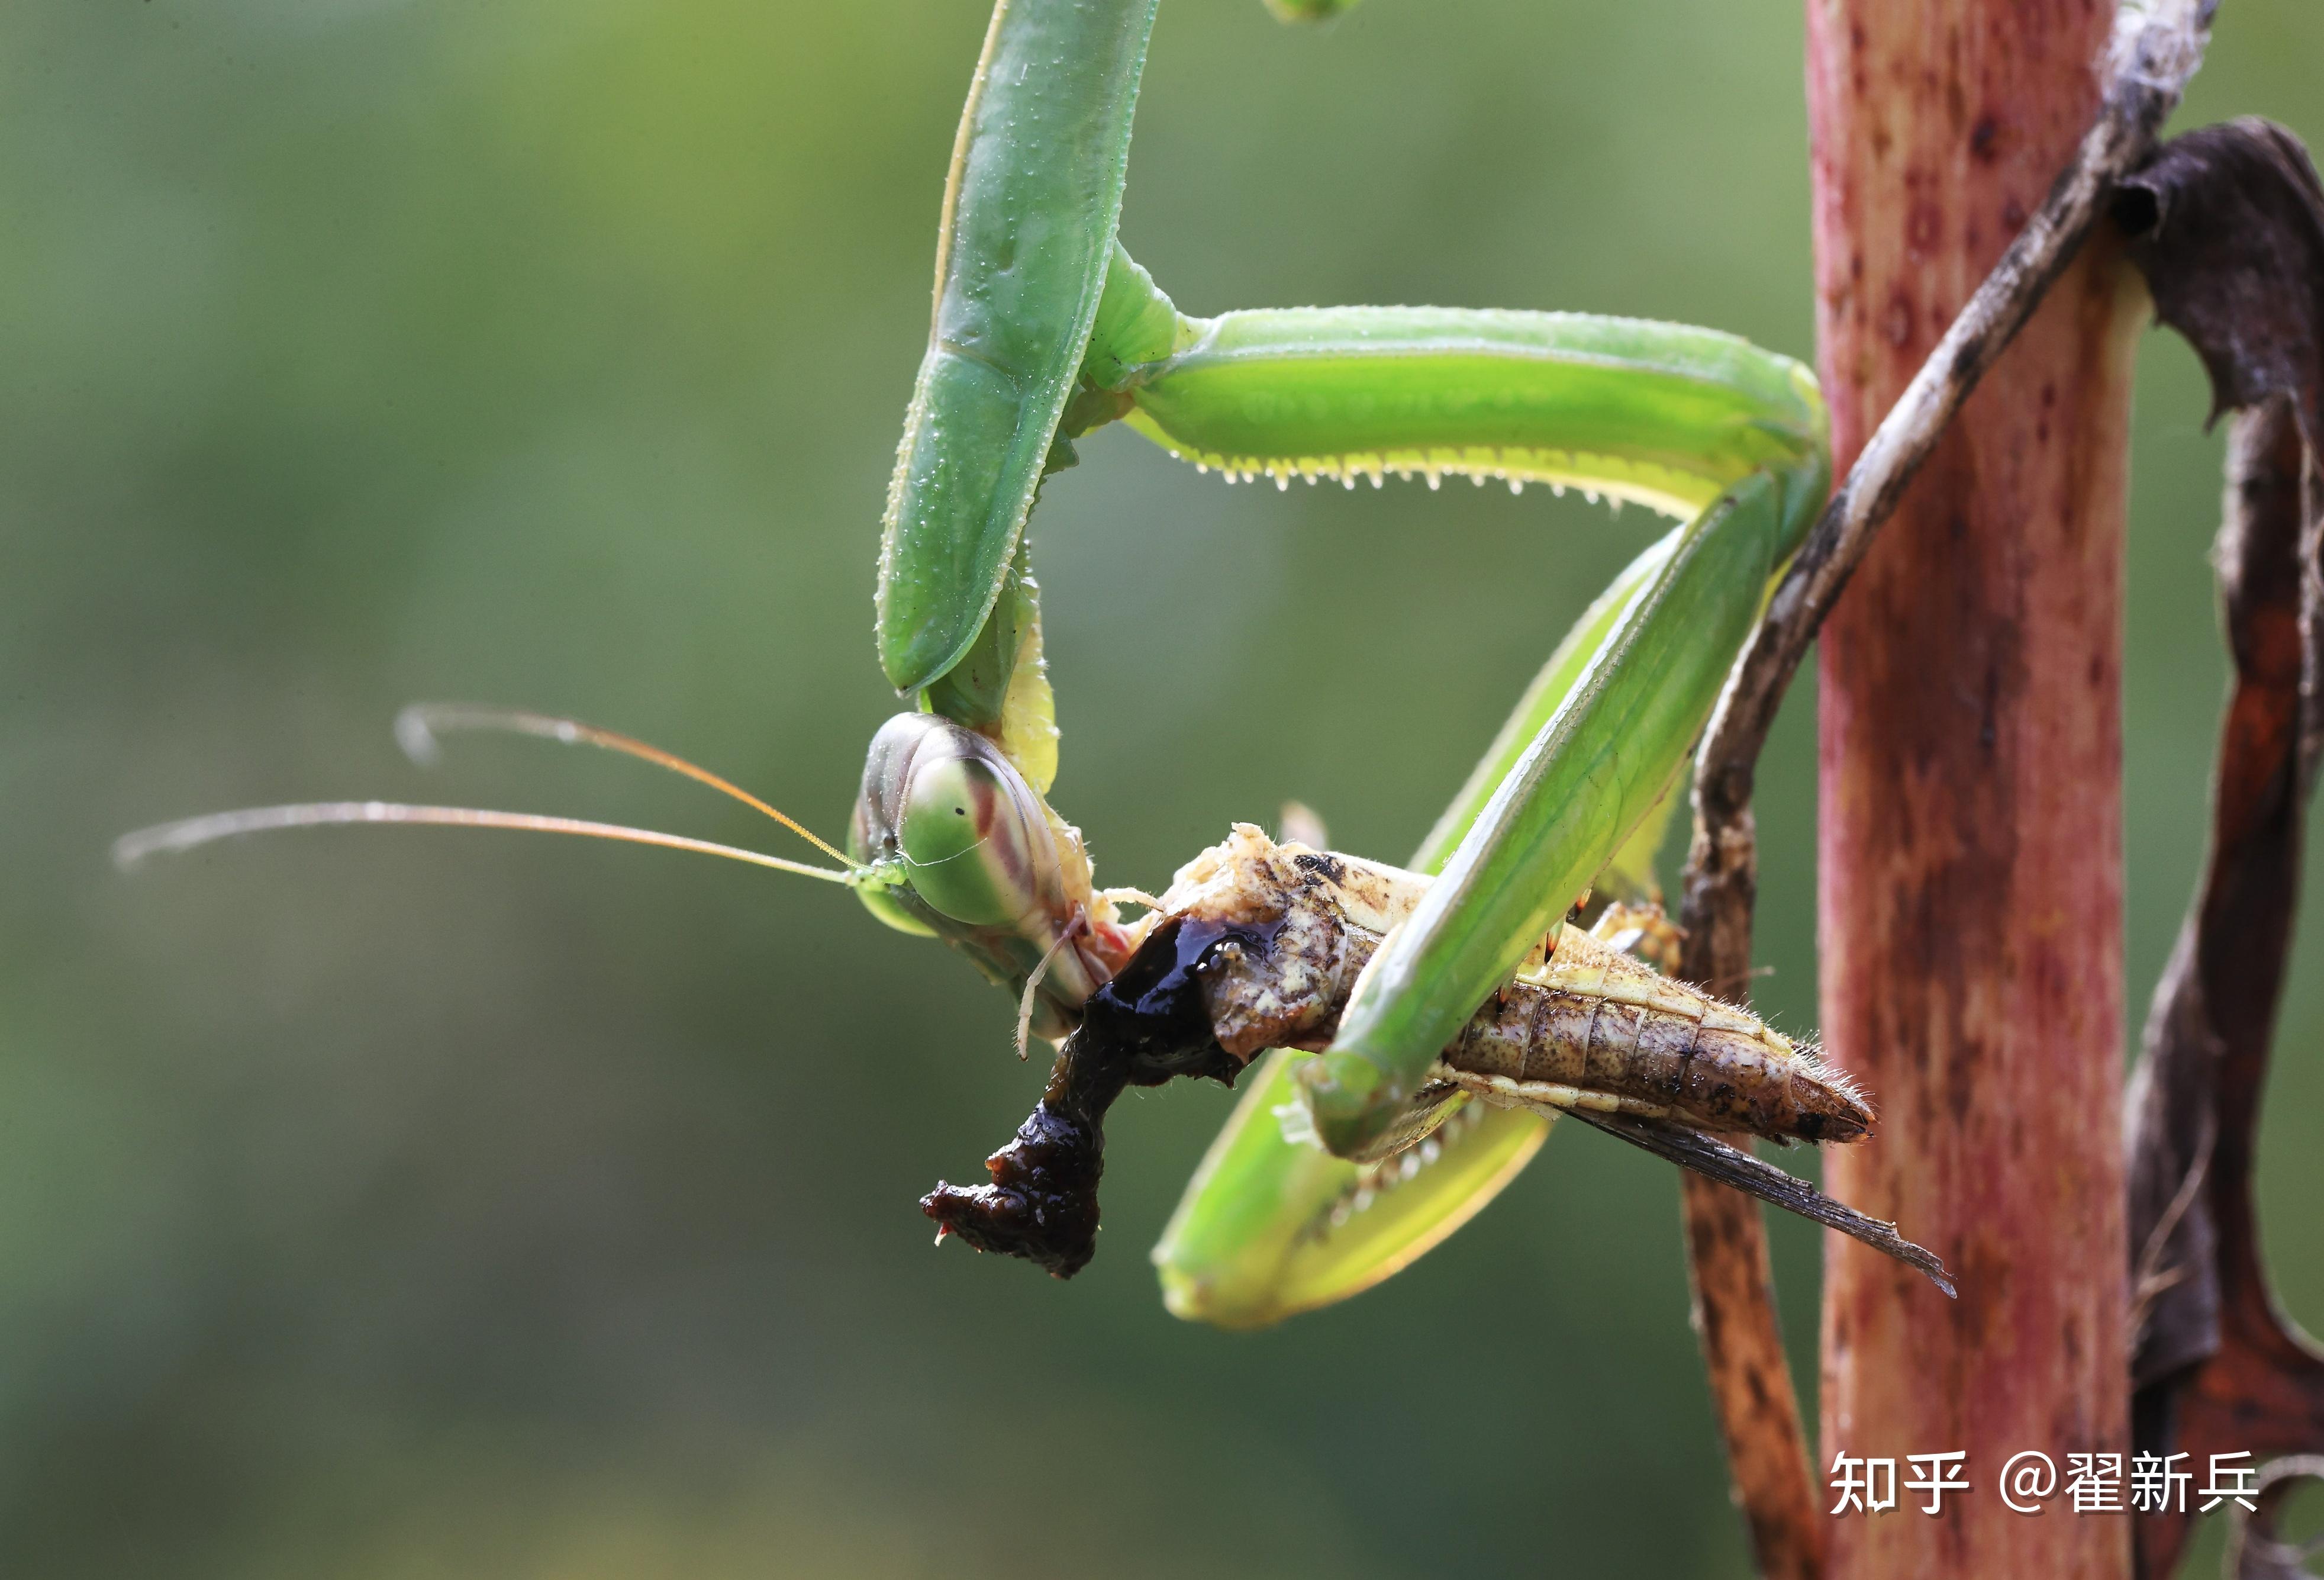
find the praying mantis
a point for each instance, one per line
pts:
(1045, 329)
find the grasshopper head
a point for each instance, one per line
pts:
(979, 859)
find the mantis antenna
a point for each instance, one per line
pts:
(190, 832)
(416, 729)
(417, 725)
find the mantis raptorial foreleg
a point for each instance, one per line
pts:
(1022, 251)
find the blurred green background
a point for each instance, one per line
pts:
(425, 1203)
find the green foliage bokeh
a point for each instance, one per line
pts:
(397, 1204)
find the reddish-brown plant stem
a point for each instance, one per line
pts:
(2157, 47)
(1970, 879)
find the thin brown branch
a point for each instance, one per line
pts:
(2156, 50)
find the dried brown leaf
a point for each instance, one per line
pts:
(2227, 225)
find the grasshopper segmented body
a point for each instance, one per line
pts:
(1582, 1026)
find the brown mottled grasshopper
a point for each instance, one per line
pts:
(1258, 945)
(1582, 1028)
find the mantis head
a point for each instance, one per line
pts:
(970, 853)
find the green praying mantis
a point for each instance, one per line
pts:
(1336, 1171)
(1044, 329)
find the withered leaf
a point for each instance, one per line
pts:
(2227, 225)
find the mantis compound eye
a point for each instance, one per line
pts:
(966, 841)
(967, 830)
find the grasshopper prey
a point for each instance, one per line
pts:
(1420, 1072)
(1258, 945)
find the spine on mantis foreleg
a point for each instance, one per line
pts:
(1022, 250)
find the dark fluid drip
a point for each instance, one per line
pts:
(1148, 1026)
